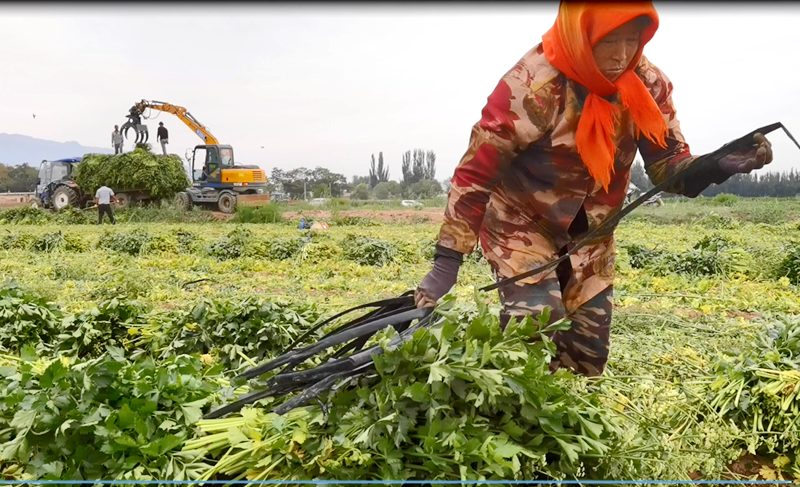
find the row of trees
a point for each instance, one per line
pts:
(17, 179)
(775, 184)
(423, 167)
(418, 180)
(419, 165)
(770, 184)
(297, 183)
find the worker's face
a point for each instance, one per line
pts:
(614, 52)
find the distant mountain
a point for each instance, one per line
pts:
(18, 149)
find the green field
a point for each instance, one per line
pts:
(118, 339)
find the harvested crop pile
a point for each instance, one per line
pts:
(51, 242)
(369, 251)
(25, 215)
(162, 176)
(460, 400)
(759, 390)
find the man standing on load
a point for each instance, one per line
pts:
(116, 140)
(550, 159)
(163, 137)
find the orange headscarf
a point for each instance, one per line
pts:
(568, 47)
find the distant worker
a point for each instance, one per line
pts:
(163, 137)
(103, 198)
(116, 140)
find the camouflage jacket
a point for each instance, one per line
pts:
(521, 182)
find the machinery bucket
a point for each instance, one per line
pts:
(142, 135)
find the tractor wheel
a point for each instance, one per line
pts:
(227, 203)
(124, 199)
(183, 201)
(64, 196)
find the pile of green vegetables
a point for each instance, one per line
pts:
(162, 176)
(117, 390)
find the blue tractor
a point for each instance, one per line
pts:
(55, 188)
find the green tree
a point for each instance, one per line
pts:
(322, 190)
(381, 191)
(418, 166)
(5, 179)
(21, 179)
(430, 165)
(427, 188)
(355, 181)
(445, 185)
(361, 192)
(293, 181)
(408, 172)
(395, 189)
(379, 173)
(334, 181)
(639, 176)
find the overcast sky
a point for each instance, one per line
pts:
(330, 84)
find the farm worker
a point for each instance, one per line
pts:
(103, 198)
(163, 136)
(550, 158)
(116, 140)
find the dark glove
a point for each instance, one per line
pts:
(440, 279)
(743, 162)
(738, 162)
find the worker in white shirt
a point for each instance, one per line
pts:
(103, 198)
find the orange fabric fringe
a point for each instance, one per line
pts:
(568, 47)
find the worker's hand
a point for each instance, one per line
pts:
(756, 157)
(439, 280)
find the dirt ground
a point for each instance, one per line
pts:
(389, 216)
(432, 216)
(746, 468)
(386, 216)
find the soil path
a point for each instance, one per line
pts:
(434, 216)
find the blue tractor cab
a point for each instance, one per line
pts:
(55, 188)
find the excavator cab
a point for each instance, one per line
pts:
(212, 161)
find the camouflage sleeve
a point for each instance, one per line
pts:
(514, 117)
(661, 163)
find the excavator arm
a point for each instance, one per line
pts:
(183, 114)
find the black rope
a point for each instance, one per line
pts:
(702, 162)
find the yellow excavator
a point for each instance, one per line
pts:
(216, 180)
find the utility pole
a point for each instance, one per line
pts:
(305, 197)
